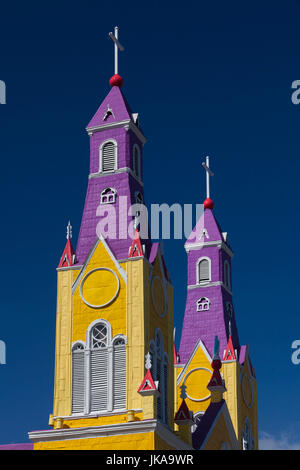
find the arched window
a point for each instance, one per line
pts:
(229, 309)
(108, 196)
(227, 281)
(203, 270)
(165, 391)
(119, 373)
(247, 437)
(78, 384)
(99, 371)
(203, 304)
(99, 368)
(160, 373)
(108, 156)
(137, 160)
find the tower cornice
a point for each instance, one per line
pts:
(116, 172)
(219, 244)
(126, 123)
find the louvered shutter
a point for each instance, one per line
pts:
(78, 381)
(99, 379)
(166, 393)
(204, 270)
(108, 157)
(119, 377)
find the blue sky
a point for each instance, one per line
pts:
(206, 79)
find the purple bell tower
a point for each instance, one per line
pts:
(116, 143)
(209, 309)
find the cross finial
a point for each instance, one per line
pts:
(148, 363)
(183, 394)
(69, 231)
(114, 37)
(208, 174)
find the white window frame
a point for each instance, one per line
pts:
(200, 302)
(198, 270)
(87, 368)
(116, 155)
(103, 195)
(74, 350)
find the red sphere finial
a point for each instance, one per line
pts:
(116, 80)
(208, 203)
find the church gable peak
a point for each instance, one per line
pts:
(206, 230)
(114, 108)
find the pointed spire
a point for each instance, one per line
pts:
(68, 257)
(136, 247)
(148, 386)
(216, 383)
(229, 354)
(183, 415)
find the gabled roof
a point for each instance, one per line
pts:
(229, 354)
(208, 425)
(183, 415)
(148, 386)
(206, 229)
(136, 247)
(68, 256)
(116, 102)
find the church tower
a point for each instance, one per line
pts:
(119, 383)
(114, 374)
(209, 311)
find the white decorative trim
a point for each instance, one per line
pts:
(66, 268)
(98, 415)
(121, 271)
(185, 366)
(135, 427)
(193, 370)
(109, 301)
(114, 125)
(210, 284)
(116, 172)
(221, 245)
(78, 342)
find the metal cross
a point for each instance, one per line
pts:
(114, 37)
(208, 174)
